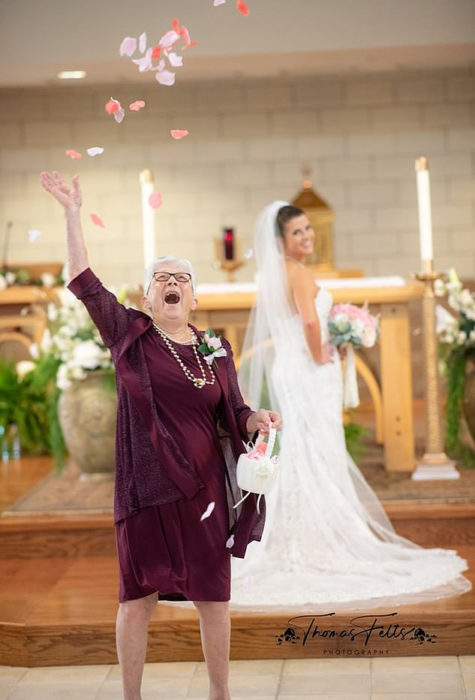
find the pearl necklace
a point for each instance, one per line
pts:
(198, 382)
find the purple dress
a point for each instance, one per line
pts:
(167, 548)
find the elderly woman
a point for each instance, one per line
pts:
(180, 427)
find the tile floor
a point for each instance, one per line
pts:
(411, 678)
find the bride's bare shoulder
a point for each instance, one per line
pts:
(300, 277)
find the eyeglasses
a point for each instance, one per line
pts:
(161, 276)
(182, 277)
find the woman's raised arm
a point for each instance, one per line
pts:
(69, 196)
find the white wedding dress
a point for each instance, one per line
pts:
(327, 540)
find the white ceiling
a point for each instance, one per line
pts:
(40, 37)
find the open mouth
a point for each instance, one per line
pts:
(172, 298)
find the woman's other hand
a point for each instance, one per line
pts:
(69, 196)
(262, 420)
(326, 354)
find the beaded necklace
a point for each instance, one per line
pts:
(198, 382)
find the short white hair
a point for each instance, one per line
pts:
(159, 262)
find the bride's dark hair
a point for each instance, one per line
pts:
(285, 214)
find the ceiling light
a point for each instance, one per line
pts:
(71, 74)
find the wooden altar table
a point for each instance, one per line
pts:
(226, 307)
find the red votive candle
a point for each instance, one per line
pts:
(228, 239)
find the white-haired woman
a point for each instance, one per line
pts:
(180, 426)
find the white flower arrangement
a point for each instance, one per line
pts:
(73, 339)
(455, 330)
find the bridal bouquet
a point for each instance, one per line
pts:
(352, 327)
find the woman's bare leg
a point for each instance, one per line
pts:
(215, 625)
(131, 638)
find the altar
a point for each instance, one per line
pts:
(226, 308)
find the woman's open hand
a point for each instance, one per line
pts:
(262, 420)
(67, 195)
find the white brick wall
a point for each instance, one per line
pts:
(247, 145)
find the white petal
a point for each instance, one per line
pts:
(33, 235)
(128, 46)
(208, 511)
(169, 39)
(175, 60)
(95, 151)
(230, 542)
(142, 42)
(119, 115)
(165, 77)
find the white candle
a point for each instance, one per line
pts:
(423, 200)
(148, 217)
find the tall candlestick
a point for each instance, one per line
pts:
(148, 217)
(423, 200)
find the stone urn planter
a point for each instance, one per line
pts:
(87, 415)
(468, 402)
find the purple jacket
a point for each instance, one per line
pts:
(150, 467)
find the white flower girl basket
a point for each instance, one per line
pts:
(257, 470)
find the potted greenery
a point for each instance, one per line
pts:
(84, 385)
(457, 353)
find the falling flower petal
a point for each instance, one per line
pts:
(242, 7)
(169, 39)
(96, 220)
(119, 115)
(176, 61)
(33, 235)
(135, 106)
(218, 2)
(178, 134)
(230, 542)
(208, 511)
(95, 151)
(183, 32)
(165, 77)
(112, 106)
(128, 46)
(144, 63)
(73, 154)
(156, 52)
(142, 42)
(155, 200)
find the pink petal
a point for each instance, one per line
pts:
(119, 115)
(176, 61)
(156, 51)
(33, 235)
(155, 200)
(74, 155)
(208, 511)
(128, 46)
(165, 77)
(178, 134)
(135, 106)
(112, 106)
(95, 151)
(144, 63)
(169, 39)
(96, 220)
(142, 42)
(242, 7)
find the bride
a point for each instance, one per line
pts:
(327, 538)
